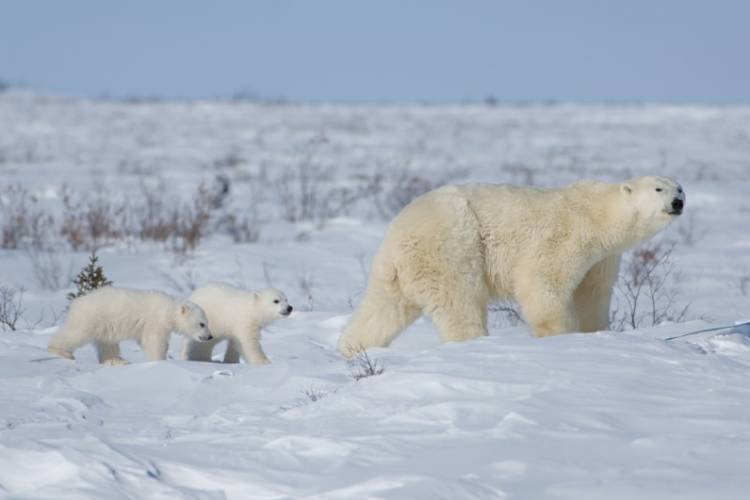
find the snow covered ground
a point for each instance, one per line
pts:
(616, 415)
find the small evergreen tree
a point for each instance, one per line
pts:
(90, 278)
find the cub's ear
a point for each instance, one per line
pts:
(184, 309)
(256, 296)
(626, 188)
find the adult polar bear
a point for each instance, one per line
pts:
(556, 252)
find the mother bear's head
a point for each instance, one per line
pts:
(653, 201)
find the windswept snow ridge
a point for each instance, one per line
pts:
(578, 416)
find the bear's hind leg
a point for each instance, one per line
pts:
(452, 292)
(232, 354)
(67, 339)
(462, 315)
(109, 353)
(193, 350)
(378, 320)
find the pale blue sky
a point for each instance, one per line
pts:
(384, 50)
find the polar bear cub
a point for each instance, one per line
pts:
(238, 316)
(108, 315)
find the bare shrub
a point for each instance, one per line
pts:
(362, 366)
(305, 282)
(88, 223)
(300, 190)
(406, 187)
(644, 293)
(24, 222)
(183, 282)
(520, 173)
(153, 218)
(181, 225)
(245, 227)
(192, 221)
(218, 191)
(392, 196)
(311, 395)
(314, 394)
(307, 191)
(11, 307)
(231, 159)
(267, 274)
(242, 229)
(688, 230)
(48, 269)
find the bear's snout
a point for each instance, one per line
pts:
(677, 205)
(288, 311)
(204, 338)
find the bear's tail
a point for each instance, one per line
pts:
(383, 313)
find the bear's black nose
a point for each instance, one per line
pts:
(677, 204)
(289, 309)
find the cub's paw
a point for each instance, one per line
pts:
(61, 352)
(116, 362)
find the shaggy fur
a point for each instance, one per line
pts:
(108, 315)
(238, 316)
(556, 252)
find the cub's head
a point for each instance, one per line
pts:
(192, 322)
(657, 200)
(271, 304)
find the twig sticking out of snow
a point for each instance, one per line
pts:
(362, 366)
(714, 329)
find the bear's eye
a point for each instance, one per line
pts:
(276, 301)
(659, 190)
(203, 325)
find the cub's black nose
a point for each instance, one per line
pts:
(289, 309)
(677, 204)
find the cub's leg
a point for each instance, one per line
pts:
(109, 353)
(198, 351)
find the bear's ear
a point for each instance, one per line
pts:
(626, 188)
(256, 296)
(184, 309)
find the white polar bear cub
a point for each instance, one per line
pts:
(238, 316)
(555, 251)
(108, 315)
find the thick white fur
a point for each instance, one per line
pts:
(236, 315)
(556, 252)
(108, 315)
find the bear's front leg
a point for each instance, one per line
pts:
(594, 294)
(155, 347)
(548, 310)
(232, 354)
(252, 351)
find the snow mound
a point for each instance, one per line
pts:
(615, 415)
